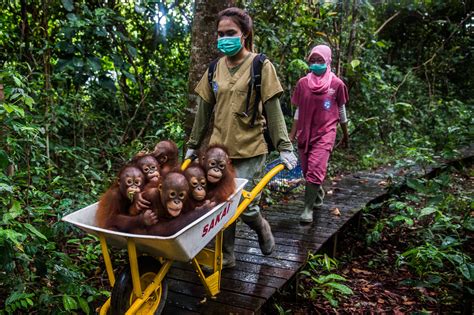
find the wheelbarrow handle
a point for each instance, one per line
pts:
(188, 161)
(248, 197)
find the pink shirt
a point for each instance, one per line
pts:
(318, 113)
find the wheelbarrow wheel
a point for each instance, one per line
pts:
(122, 296)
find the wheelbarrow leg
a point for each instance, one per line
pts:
(212, 258)
(107, 260)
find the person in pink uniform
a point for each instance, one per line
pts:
(320, 98)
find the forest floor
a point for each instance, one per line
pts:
(372, 269)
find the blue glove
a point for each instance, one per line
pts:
(289, 159)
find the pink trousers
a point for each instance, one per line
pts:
(314, 164)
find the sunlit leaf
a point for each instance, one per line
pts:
(69, 303)
(340, 287)
(427, 211)
(355, 63)
(17, 81)
(6, 188)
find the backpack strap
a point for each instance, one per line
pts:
(211, 70)
(256, 80)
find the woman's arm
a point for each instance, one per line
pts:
(343, 121)
(201, 123)
(276, 125)
(293, 127)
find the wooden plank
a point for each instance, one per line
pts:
(260, 269)
(228, 284)
(181, 304)
(297, 241)
(295, 248)
(300, 234)
(271, 281)
(236, 300)
(252, 250)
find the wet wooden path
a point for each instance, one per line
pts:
(248, 286)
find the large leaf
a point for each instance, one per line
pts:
(355, 63)
(94, 63)
(416, 184)
(69, 303)
(331, 276)
(83, 304)
(14, 212)
(340, 287)
(33, 230)
(467, 271)
(107, 83)
(427, 211)
(3, 159)
(68, 5)
(13, 236)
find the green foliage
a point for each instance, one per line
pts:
(281, 310)
(317, 283)
(434, 222)
(88, 84)
(400, 108)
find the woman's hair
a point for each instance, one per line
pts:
(243, 20)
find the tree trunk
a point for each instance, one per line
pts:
(47, 70)
(352, 35)
(203, 48)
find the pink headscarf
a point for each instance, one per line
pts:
(321, 84)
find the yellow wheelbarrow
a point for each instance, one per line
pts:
(141, 287)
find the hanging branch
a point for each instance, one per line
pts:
(386, 22)
(137, 75)
(352, 35)
(429, 60)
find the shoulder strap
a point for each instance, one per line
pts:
(210, 72)
(256, 81)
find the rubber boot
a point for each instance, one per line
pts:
(266, 241)
(320, 198)
(310, 195)
(228, 261)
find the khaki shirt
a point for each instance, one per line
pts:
(229, 96)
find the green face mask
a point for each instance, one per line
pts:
(318, 68)
(229, 46)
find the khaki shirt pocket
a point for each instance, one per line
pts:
(239, 104)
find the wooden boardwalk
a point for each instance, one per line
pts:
(248, 286)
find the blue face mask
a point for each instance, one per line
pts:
(318, 68)
(229, 46)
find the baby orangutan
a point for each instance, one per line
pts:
(197, 185)
(220, 174)
(149, 166)
(114, 210)
(169, 201)
(166, 153)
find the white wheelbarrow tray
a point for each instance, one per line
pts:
(184, 245)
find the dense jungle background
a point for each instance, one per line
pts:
(84, 85)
